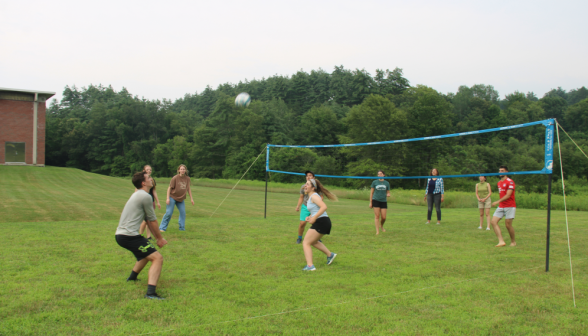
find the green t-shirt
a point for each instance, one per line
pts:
(380, 190)
(482, 189)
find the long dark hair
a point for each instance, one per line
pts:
(431, 172)
(322, 190)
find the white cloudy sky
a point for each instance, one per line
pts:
(164, 49)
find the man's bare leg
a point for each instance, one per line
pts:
(301, 227)
(140, 265)
(511, 232)
(496, 228)
(155, 270)
(377, 214)
(383, 219)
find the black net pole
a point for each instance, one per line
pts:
(548, 221)
(265, 208)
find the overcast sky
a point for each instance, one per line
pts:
(165, 49)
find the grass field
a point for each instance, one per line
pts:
(237, 273)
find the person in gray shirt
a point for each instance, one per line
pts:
(137, 209)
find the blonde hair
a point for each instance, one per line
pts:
(318, 187)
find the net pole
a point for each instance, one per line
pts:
(549, 179)
(266, 178)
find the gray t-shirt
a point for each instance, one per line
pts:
(302, 192)
(138, 207)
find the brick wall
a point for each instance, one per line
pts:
(16, 125)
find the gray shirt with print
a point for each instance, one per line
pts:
(138, 208)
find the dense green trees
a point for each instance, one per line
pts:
(115, 133)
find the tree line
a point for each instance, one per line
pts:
(100, 130)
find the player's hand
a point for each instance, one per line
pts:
(494, 203)
(161, 242)
(192, 201)
(371, 206)
(310, 219)
(158, 205)
(297, 208)
(442, 199)
(167, 201)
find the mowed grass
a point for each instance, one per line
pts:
(237, 273)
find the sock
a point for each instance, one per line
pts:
(299, 237)
(150, 289)
(133, 276)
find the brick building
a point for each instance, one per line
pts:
(22, 126)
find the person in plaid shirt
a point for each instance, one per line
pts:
(434, 192)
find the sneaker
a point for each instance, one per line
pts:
(428, 223)
(299, 240)
(153, 297)
(331, 258)
(487, 229)
(479, 228)
(133, 280)
(438, 223)
(309, 268)
(320, 241)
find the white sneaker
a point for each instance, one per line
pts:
(479, 227)
(487, 229)
(438, 223)
(428, 223)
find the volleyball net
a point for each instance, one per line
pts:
(527, 149)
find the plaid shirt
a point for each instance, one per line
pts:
(438, 186)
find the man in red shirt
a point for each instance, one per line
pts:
(506, 208)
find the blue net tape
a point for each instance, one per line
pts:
(532, 172)
(546, 122)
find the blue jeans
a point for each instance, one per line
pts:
(169, 211)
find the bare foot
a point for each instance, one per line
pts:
(377, 233)
(513, 244)
(383, 230)
(501, 245)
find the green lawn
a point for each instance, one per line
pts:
(237, 273)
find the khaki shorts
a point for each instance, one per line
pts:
(485, 205)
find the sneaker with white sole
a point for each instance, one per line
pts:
(479, 228)
(331, 258)
(487, 229)
(299, 240)
(309, 268)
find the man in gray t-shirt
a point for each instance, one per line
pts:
(138, 208)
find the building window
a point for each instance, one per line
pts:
(14, 152)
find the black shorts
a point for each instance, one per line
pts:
(322, 225)
(139, 245)
(378, 204)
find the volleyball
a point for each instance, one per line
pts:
(243, 99)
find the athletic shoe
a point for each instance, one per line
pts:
(309, 268)
(299, 240)
(153, 297)
(133, 280)
(487, 229)
(427, 222)
(479, 227)
(320, 241)
(438, 223)
(331, 258)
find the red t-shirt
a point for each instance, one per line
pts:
(503, 186)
